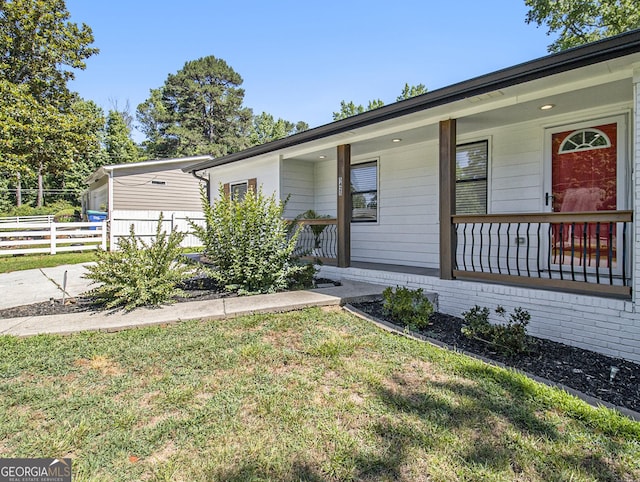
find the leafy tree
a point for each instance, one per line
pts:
(39, 138)
(152, 114)
(88, 160)
(351, 109)
(579, 22)
(348, 109)
(39, 48)
(266, 129)
(411, 91)
(198, 110)
(119, 146)
(38, 43)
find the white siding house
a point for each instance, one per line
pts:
(514, 188)
(137, 193)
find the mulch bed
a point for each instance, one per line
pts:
(582, 370)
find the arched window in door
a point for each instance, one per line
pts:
(585, 139)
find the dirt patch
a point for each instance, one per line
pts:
(101, 363)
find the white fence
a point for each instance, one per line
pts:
(146, 222)
(24, 238)
(43, 219)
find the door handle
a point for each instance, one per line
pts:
(548, 197)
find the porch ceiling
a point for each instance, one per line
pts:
(504, 107)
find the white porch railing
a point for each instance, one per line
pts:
(24, 238)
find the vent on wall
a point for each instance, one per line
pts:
(161, 183)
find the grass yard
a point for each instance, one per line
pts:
(34, 261)
(312, 395)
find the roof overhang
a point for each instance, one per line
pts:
(179, 162)
(587, 55)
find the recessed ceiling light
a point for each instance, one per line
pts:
(397, 139)
(322, 157)
(547, 106)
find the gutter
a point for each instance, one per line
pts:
(207, 182)
(582, 56)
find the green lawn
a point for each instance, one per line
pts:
(313, 395)
(34, 261)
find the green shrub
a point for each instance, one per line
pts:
(248, 242)
(407, 306)
(510, 337)
(140, 273)
(67, 215)
(28, 210)
(302, 279)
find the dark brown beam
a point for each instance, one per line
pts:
(545, 283)
(447, 196)
(344, 206)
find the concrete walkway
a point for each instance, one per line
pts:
(35, 285)
(210, 310)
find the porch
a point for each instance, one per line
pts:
(585, 253)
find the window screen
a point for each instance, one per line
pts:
(471, 178)
(364, 192)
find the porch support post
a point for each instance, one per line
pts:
(344, 206)
(447, 196)
(635, 142)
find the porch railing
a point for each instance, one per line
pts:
(318, 239)
(582, 252)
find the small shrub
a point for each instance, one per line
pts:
(303, 279)
(408, 306)
(139, 273)
(510, 337)
(67, 215)
(248, 242)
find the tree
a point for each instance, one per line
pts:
(351, 109)
(38, 138)
(39, 47)
(198, 110)
(411, 91)
(119, 146)
(37, 43)
(579, 22)
(265, 129)
(152, 116)
(348, 109)
(88, 160)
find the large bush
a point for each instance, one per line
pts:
(140, 273)
(248, 243)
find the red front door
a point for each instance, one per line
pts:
(584, 179)
(584, 169)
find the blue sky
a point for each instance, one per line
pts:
(300, 59)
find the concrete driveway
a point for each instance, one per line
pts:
(35, 285)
